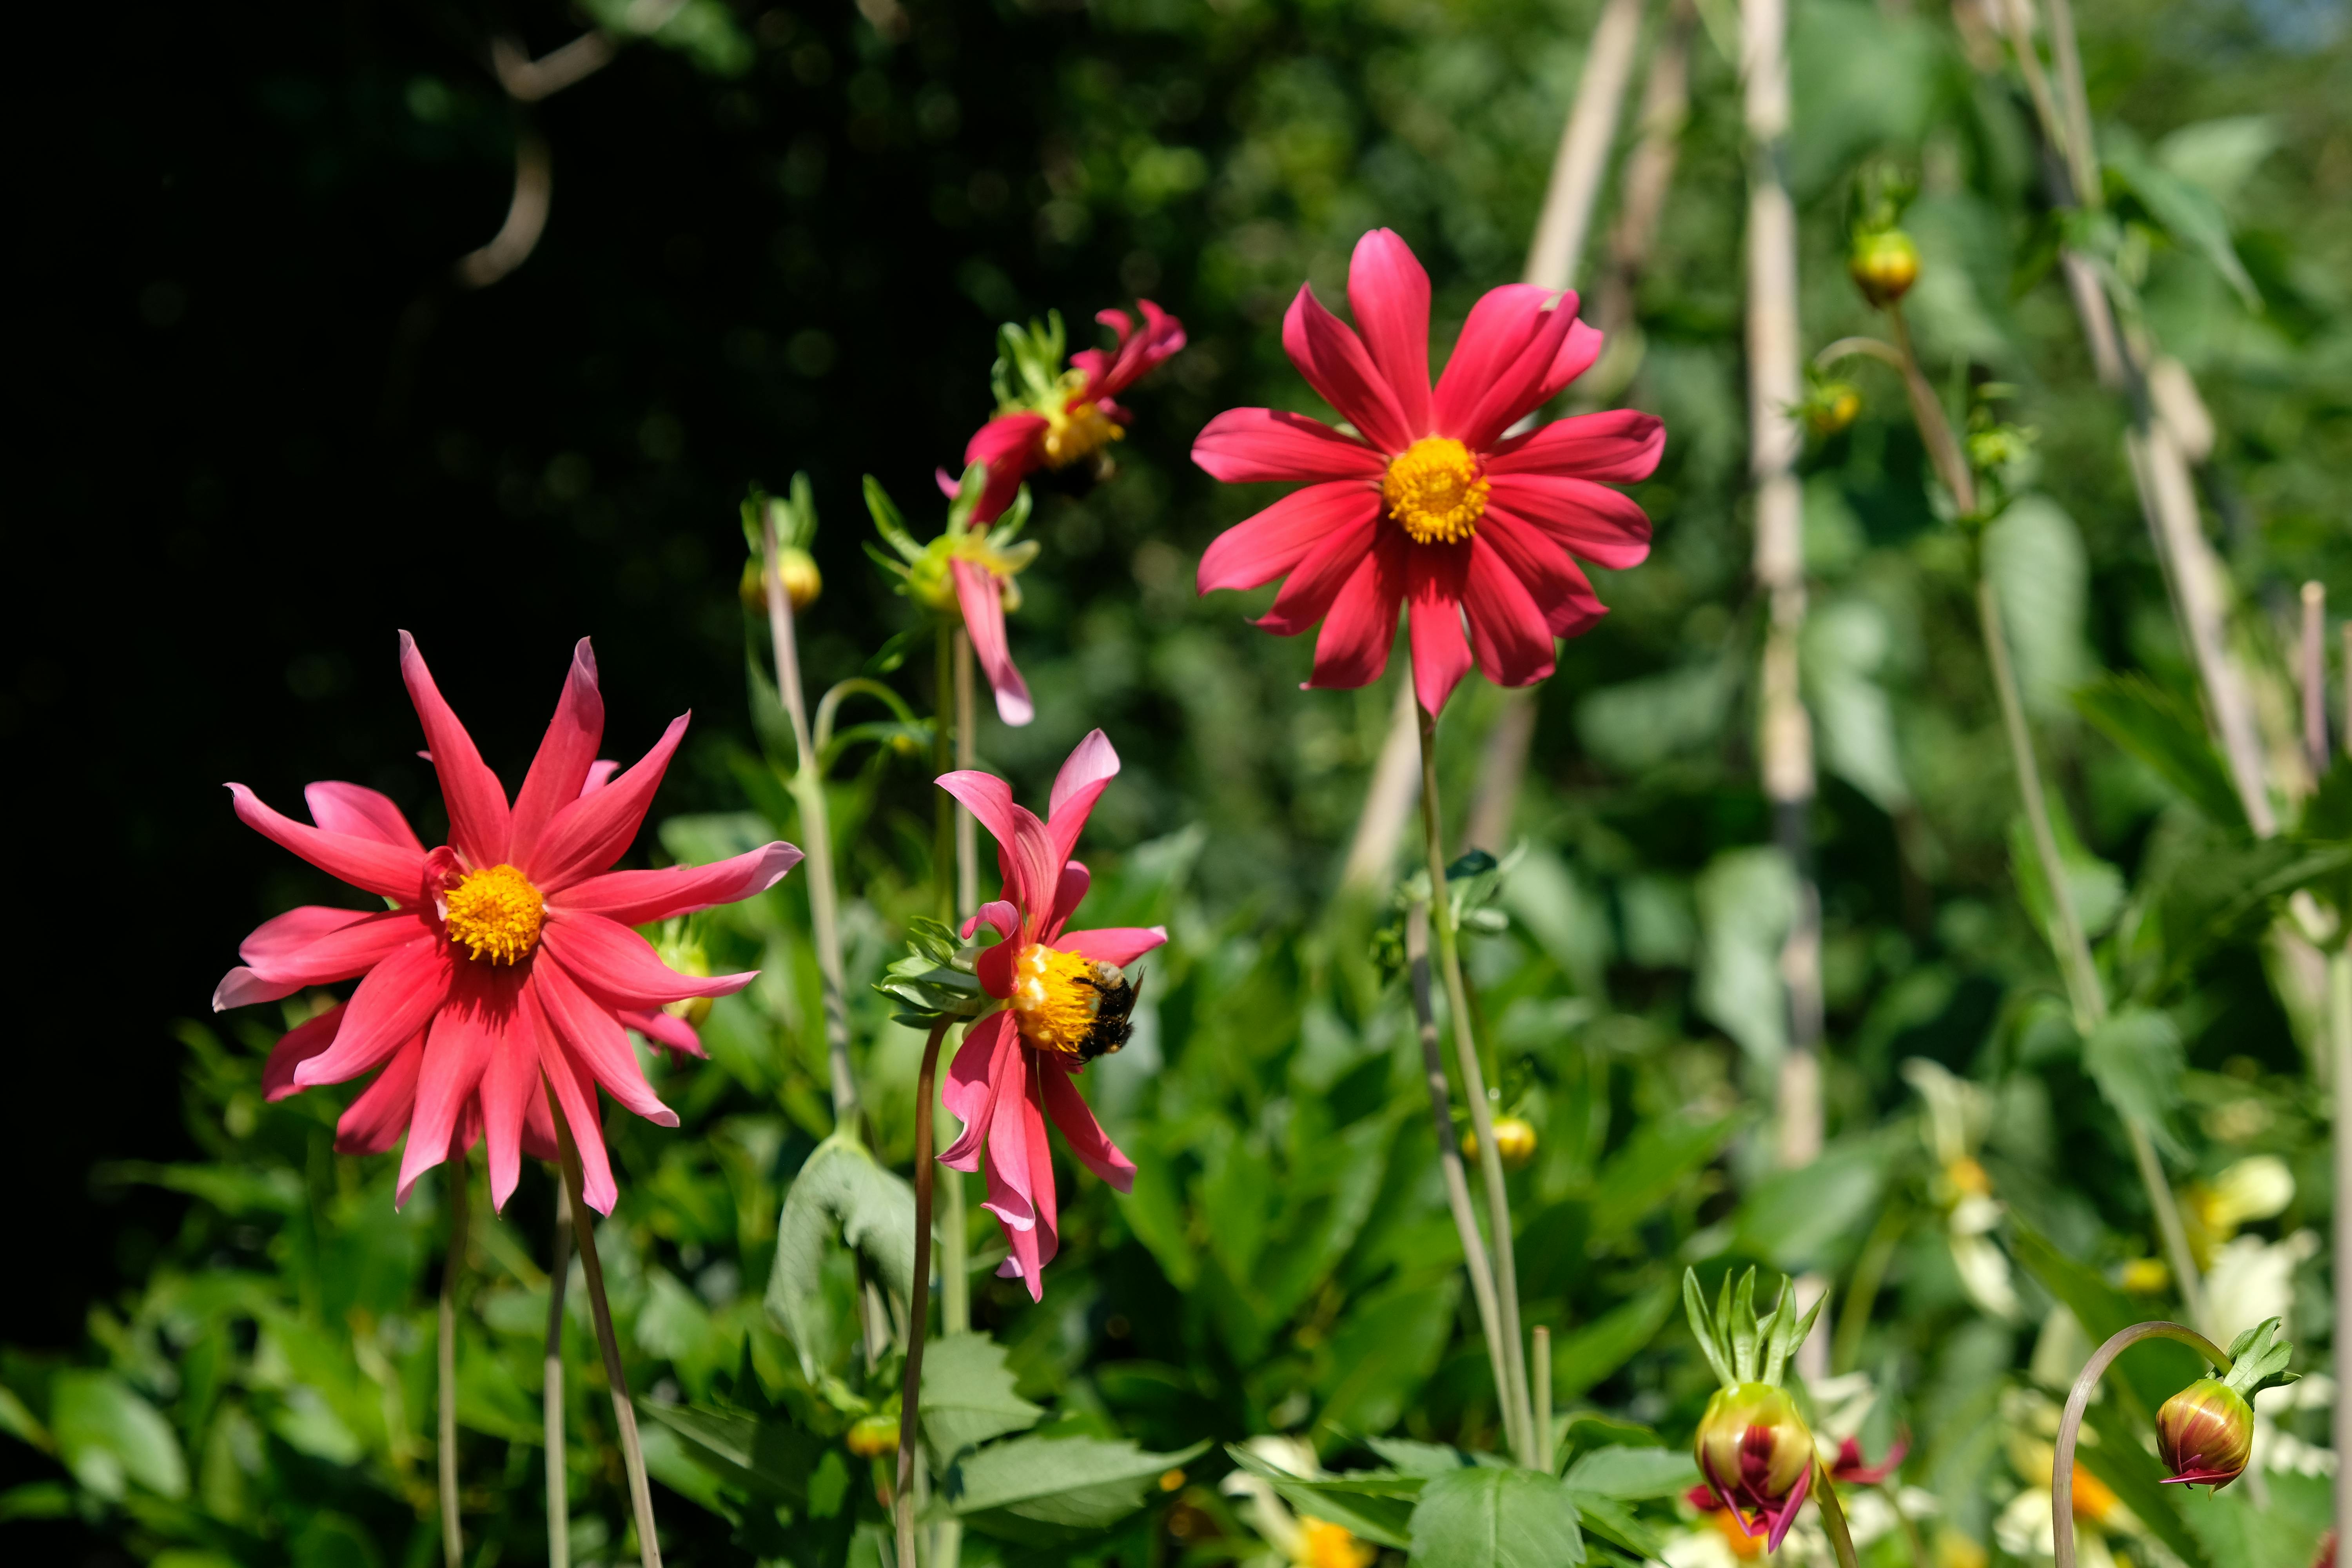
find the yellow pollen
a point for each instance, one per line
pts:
(495, 914)
(1053, 1001)
(1076, 431)
(1435, 491)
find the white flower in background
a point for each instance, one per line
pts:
(1296, 1541)
(1958, 1112)
(2279, 1450)
(2252, 1279)
(2257, 1187)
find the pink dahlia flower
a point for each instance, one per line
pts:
(1077, 417)
(1427, 503)
(1065, 1004)
(506, 957)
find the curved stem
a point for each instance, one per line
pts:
(830, 704)
(559, 1506)
(1449, 1159)
(453, 1537)
(2070, 1425)
(616, 1378)
(1846, 348)
(1832, 1516)
(919, 1300)
(1474, 1088)
(1927, 412)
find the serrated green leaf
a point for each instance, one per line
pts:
(840, 1193)
(967, 1394)
(1632, 1474)
(1496, 1519)
(1060, 1483)
(2136, 1058)
(765, 1457)
(2152, 725)
(1582, 1358)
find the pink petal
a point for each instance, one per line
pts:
(658, 1026)
(1253, 445)
(1620, 445)
(559, 774)
(1536, 558)
(996, 912)
(600, 774)
(456, 1050)
(982, 599)
(1592, 521)
(973, 1077)
(1025, 852)
(510, 1084)
(1335, 363)
(295, 1046)
(1316, 581)
(592, 832)
(1084, 774)
(622, 967)
(397, 998)
(1013, 446)
(1441, 657)
(364, 813)
(597, 1042)
(1011, 1166)
(1138, 352)
(1516, 388)
(1388, 293)
(1071, 1113)
(1507, 629)
(393, 871)
(1360, 626)
(1032, 1246)
(641, 897)
(479, 824)
(1787, 1513)
(1576, 354)
(1067, 896)
(315, 946)
(376, 1119)
(1498, 329)
(578, 1098)
(994, 966)
(1258, 549)
(1121, 945)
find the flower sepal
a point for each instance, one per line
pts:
(937, 980)
(926, 573)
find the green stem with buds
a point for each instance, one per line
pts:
(1825, 1497)
(2070, 1425)
(559, 1506)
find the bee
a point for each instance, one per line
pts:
(1117, 997)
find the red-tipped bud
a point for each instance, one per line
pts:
(2205, 1433)
(1883, 265)
(1757, 1453)
(873, 1436)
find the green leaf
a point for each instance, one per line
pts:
(1061, 1484)
(1375, 1505)
(2154, 726)
(1652, 1165)
(841, 1192)
(2135, 1058)
(36, 1499)
(766, 1457)
(1424, 1459)
(1581, 1359)
(1612, 1522)
(108, 1435)
(1799, 1218)
(2154, 1370)
(2034, 557)
(1383, 1351)
(1632, 1474)
(2193, 218)
(1496, 1519)
(967, 1394)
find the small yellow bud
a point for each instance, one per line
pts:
(2146, 1275)
(802, 581)
(693, 1009)
(1170, 1480)
(1514, 1141)
(874, 1436)
(1833, 407)
(1883, 265)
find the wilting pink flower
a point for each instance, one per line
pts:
(506, 963)
(1848, 1468)
(1078, 417)
(1429, 505)
(1066, 1002)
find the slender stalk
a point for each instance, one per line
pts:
(2082, 151)
(2314, 679)
(1474, 1089)
(1825, 1497)
(919, 1300)
(816, 834)
(2339, 1050)
(1583, 156)
(967, 742)
(1449, 1160)
(558, 1505)
(2070, 1425)
(943, 819)
(955, 1235)
(453, 1537)
(616, 1378)
(1542, 1389)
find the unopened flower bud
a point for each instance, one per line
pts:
(802, 581)
(1757, 1453)
(873, 1436)
(1883, 265)
(1833, 407)
(1514, 1141)
(2205, 1433)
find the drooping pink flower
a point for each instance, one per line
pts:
(1428, 504)
(1073, 417)
(507, 963)
(1066, 1002)
(1850, 1468)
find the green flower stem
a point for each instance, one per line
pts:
(1449, 1159)
(1542, 1391)
(955, 1235)
(2339, 1050)
(816, 837)
(452, 1538)
(943, 827)
(919, 1302)
(1825, 1497)
(1514, 1391)
(1862, 1290)
(558, 1505)
(600, 1309)
(2070, 1425)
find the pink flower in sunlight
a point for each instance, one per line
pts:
(1066, 1004)
(507, 963)
(1428, 503)
(1051, 420)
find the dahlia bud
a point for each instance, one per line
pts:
(1757, 1453)
(802, 581)
(2205, 1433)
(873, 1436)
(1514, 1141)
(1833, 407)
(1883, 265)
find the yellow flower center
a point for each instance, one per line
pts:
(1077, 430)
(1435, 491)
(1054, 998)
(495, 914)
